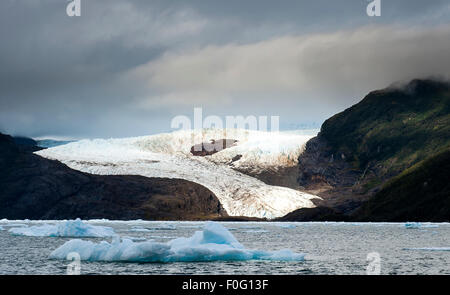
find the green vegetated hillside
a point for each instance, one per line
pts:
(420, 193)
(394, 128)
(385, 158)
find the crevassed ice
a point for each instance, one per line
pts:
(168, 155)
(70, 228)
(214, 243)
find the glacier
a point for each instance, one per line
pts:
(70, 228)
(168, 155)
(214, 243)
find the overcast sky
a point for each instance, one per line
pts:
(126, 68)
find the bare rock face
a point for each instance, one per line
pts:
(329, 176)
(212, 147)
(318, 166)
(37, 188)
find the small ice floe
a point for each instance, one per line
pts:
(214, 243)
(287, 225)
(165, 227)
(15, 225)
(140, 229)
(429, 225)
(429, 249)
(250, 227)
(256, 231)
(162, 237)
(134, 238)
(70, 228)
(413, 225)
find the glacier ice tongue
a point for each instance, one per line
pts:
(168, 155)
(214, 243)
(70, 228)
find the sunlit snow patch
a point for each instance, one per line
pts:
(214, 243)
(71, 228)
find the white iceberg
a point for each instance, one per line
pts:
(214, 243)
(71, 228)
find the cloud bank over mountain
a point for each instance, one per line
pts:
(125, 69)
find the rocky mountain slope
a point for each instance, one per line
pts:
(37, 188)
(360, 149)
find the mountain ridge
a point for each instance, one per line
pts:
(360, 149)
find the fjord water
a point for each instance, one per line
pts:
(331, 248)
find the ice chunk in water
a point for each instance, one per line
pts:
(413, 225)
(287, 225)
(71, 228)
(429, 249)
(214, 243)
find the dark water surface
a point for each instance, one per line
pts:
(331, 248)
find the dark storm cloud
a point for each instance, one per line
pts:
(127, 67)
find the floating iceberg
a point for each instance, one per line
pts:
(429, 249)
(165, 227)
(140, 229)
(413, 225)
(15, 225)
(71, 228)
(214, 243)
(253, 231)
(134, 238)
(430, 225)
